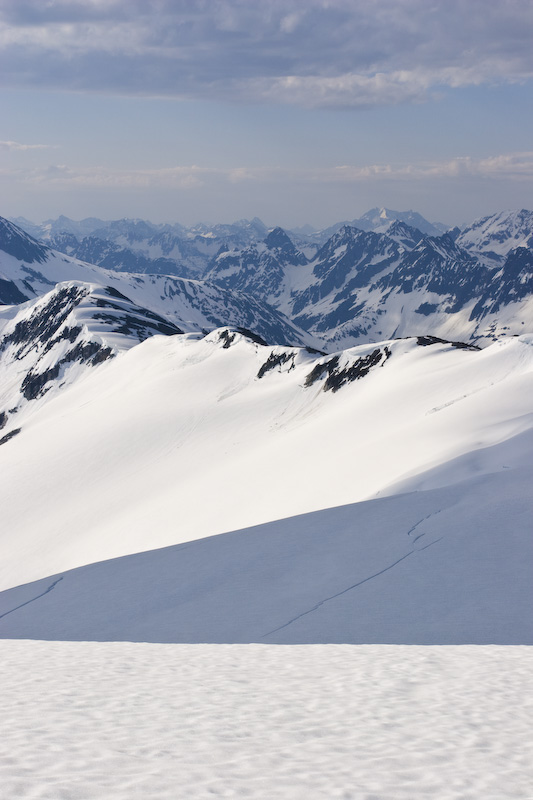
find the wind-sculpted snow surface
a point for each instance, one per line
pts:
(91, 721)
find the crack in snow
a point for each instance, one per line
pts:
(33, 599)
(369, 578)
(420, 535)
(338, 594)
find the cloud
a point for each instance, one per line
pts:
(509, 167)
(19, 146)
(322, 53)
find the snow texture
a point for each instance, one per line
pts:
(190, 722)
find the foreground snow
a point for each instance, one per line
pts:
(179, 722)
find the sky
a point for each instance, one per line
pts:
(301, 111)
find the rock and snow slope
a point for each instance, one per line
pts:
(29, 269)
(47, 344)
(363, 286)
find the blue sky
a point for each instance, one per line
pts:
(309, 111)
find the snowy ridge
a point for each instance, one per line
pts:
(48, 343)
(493, 238)
(378, 493)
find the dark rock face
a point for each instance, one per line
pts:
(336, 377)
(426, 341)
(512, 283)
(258, 270)
(276, 360)
(91, 353)
(10, 435)
(359, 277)
(15, 242)
(226, 338)
(319, 369)
(10, 295)
(41, 326)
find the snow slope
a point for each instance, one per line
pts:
(440, 566)
(181, 438)
(129, 721)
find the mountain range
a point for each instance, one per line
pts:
(298, 447)
(375, 278)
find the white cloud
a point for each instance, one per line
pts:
(512, 166)
(20, 146)
(323, 53)
(508, 167)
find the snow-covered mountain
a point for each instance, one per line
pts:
(360, 286)
(134, 245)
(182, 437)
(378, 220)
(29, 269)
(493, 238)
(364, 286)
(178, 463)
(47, 344)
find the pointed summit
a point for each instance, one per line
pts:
(18, 243)
(278, 238)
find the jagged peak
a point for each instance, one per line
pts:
(277, 237)
(16, 242)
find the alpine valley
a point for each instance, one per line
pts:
(232, 434)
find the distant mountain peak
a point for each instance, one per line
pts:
(378, 219)
(20, 245)
(278, 238)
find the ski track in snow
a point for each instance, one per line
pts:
(33, 599)
(338, 594)
(369, 578)
(88, 721)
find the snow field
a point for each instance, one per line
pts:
(445, 566)
(87, 721)
(178, 439)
